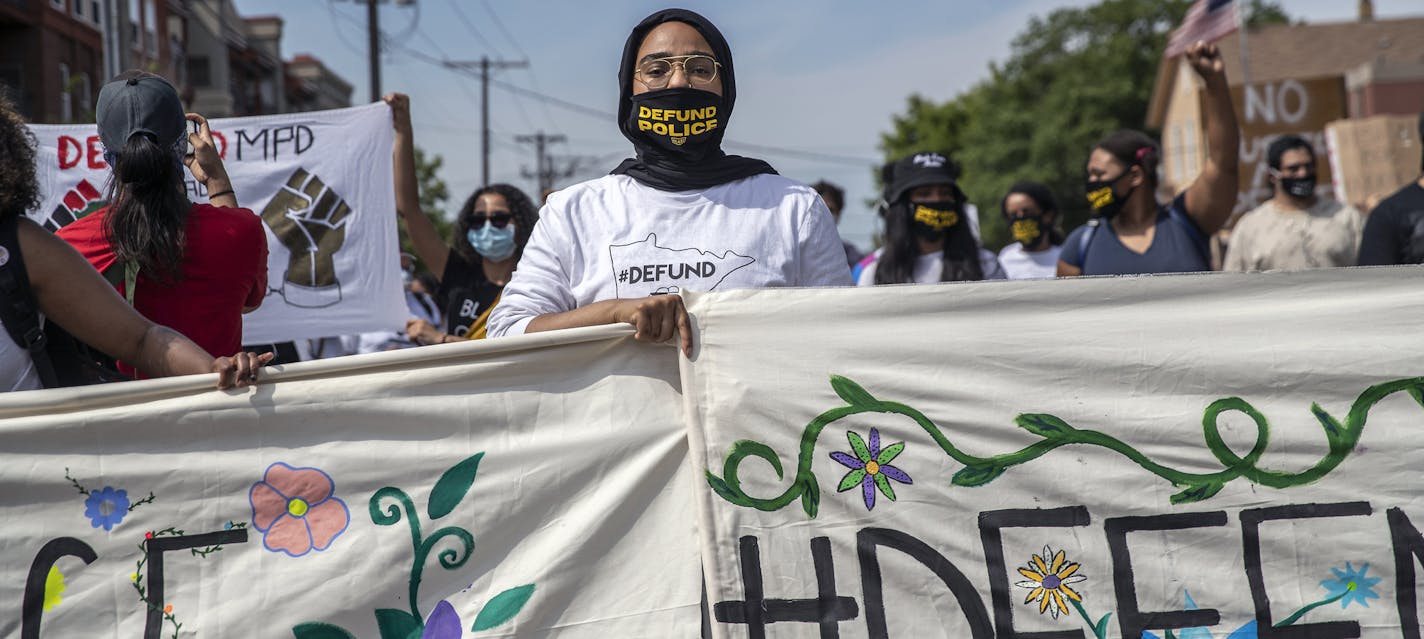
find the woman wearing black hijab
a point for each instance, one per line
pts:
(682, 215)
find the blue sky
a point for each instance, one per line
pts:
(817, 76)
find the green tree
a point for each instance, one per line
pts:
(1070, 78)
(434, 194)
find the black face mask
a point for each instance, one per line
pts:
(1301, 187)
(1027, 230)
(681, 122)
(1103, 200)
(932, 221)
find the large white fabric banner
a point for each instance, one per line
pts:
(475, 490)
(1227, 456)
(321, 181)
(1206, 456)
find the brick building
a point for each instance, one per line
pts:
(1301, 77)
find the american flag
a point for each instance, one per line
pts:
(1207, 20)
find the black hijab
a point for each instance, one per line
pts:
(663, 171)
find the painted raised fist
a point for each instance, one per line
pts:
(310, 220)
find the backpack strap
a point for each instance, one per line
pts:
(1086, 239)
(18, 308)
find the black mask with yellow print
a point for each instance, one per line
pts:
(932, 221)
(1027, 230)
(682, 121)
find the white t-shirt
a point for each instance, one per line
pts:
(615, 238)
(17, 370)
(930, 266)
(1025, 265)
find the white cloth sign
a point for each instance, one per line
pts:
(321, 181)
(1103, 457)
(475, 490)
(1224, 455)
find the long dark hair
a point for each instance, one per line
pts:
(19, 190)
(148, 208)
(1041, 196)
(520, 206)
(897, 263)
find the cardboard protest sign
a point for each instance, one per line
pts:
(1107, 457)
(322, 183)
(481, 490)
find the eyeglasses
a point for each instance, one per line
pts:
(498, 220)
(700, 70)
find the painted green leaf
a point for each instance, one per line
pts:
(1333, 429)
(862, 452)
(1101, 627)
(720, 487)
(1198, 492)
(884, 485)
(1044, 425)
(503, 607)
(977, 475)
(851, 392)
(396, 624)
(317, 630)
(890, 453)
(452, 486)
(1417, 392)
(851, 480)
(811, 498)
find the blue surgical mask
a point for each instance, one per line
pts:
(491, 243)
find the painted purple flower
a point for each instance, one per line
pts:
(443, 623)
(870, 467)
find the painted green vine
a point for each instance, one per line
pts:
(387, 507)
(979, 471)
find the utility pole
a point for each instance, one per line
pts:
(484, 64)
(544, 172)
(373, 35)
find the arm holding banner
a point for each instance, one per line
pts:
(1211, 198)
(75, 296)
(428, 245)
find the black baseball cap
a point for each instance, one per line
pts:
(919, 169)
(139, 102)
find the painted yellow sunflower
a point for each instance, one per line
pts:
(1048, 577)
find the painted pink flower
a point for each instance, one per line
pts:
(295, 510)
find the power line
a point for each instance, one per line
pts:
(767, 149)
(460, 13)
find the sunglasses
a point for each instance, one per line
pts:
(499, 220)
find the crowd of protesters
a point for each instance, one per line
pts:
(159, 284)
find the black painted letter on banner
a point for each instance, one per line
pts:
(1251, 555)
(990, 523)
(32, 606)
(867, 544)
(155, 547)
(826, 610)
(1132, 621)
(1408, 548)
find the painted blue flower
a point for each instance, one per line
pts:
(870, 467)
(106, 507)
(1351, 586)
(1247, 631)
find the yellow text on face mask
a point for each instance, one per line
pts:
(935, 218)
(1100, 198)
(677, 124)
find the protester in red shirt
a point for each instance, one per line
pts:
(193, 267)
